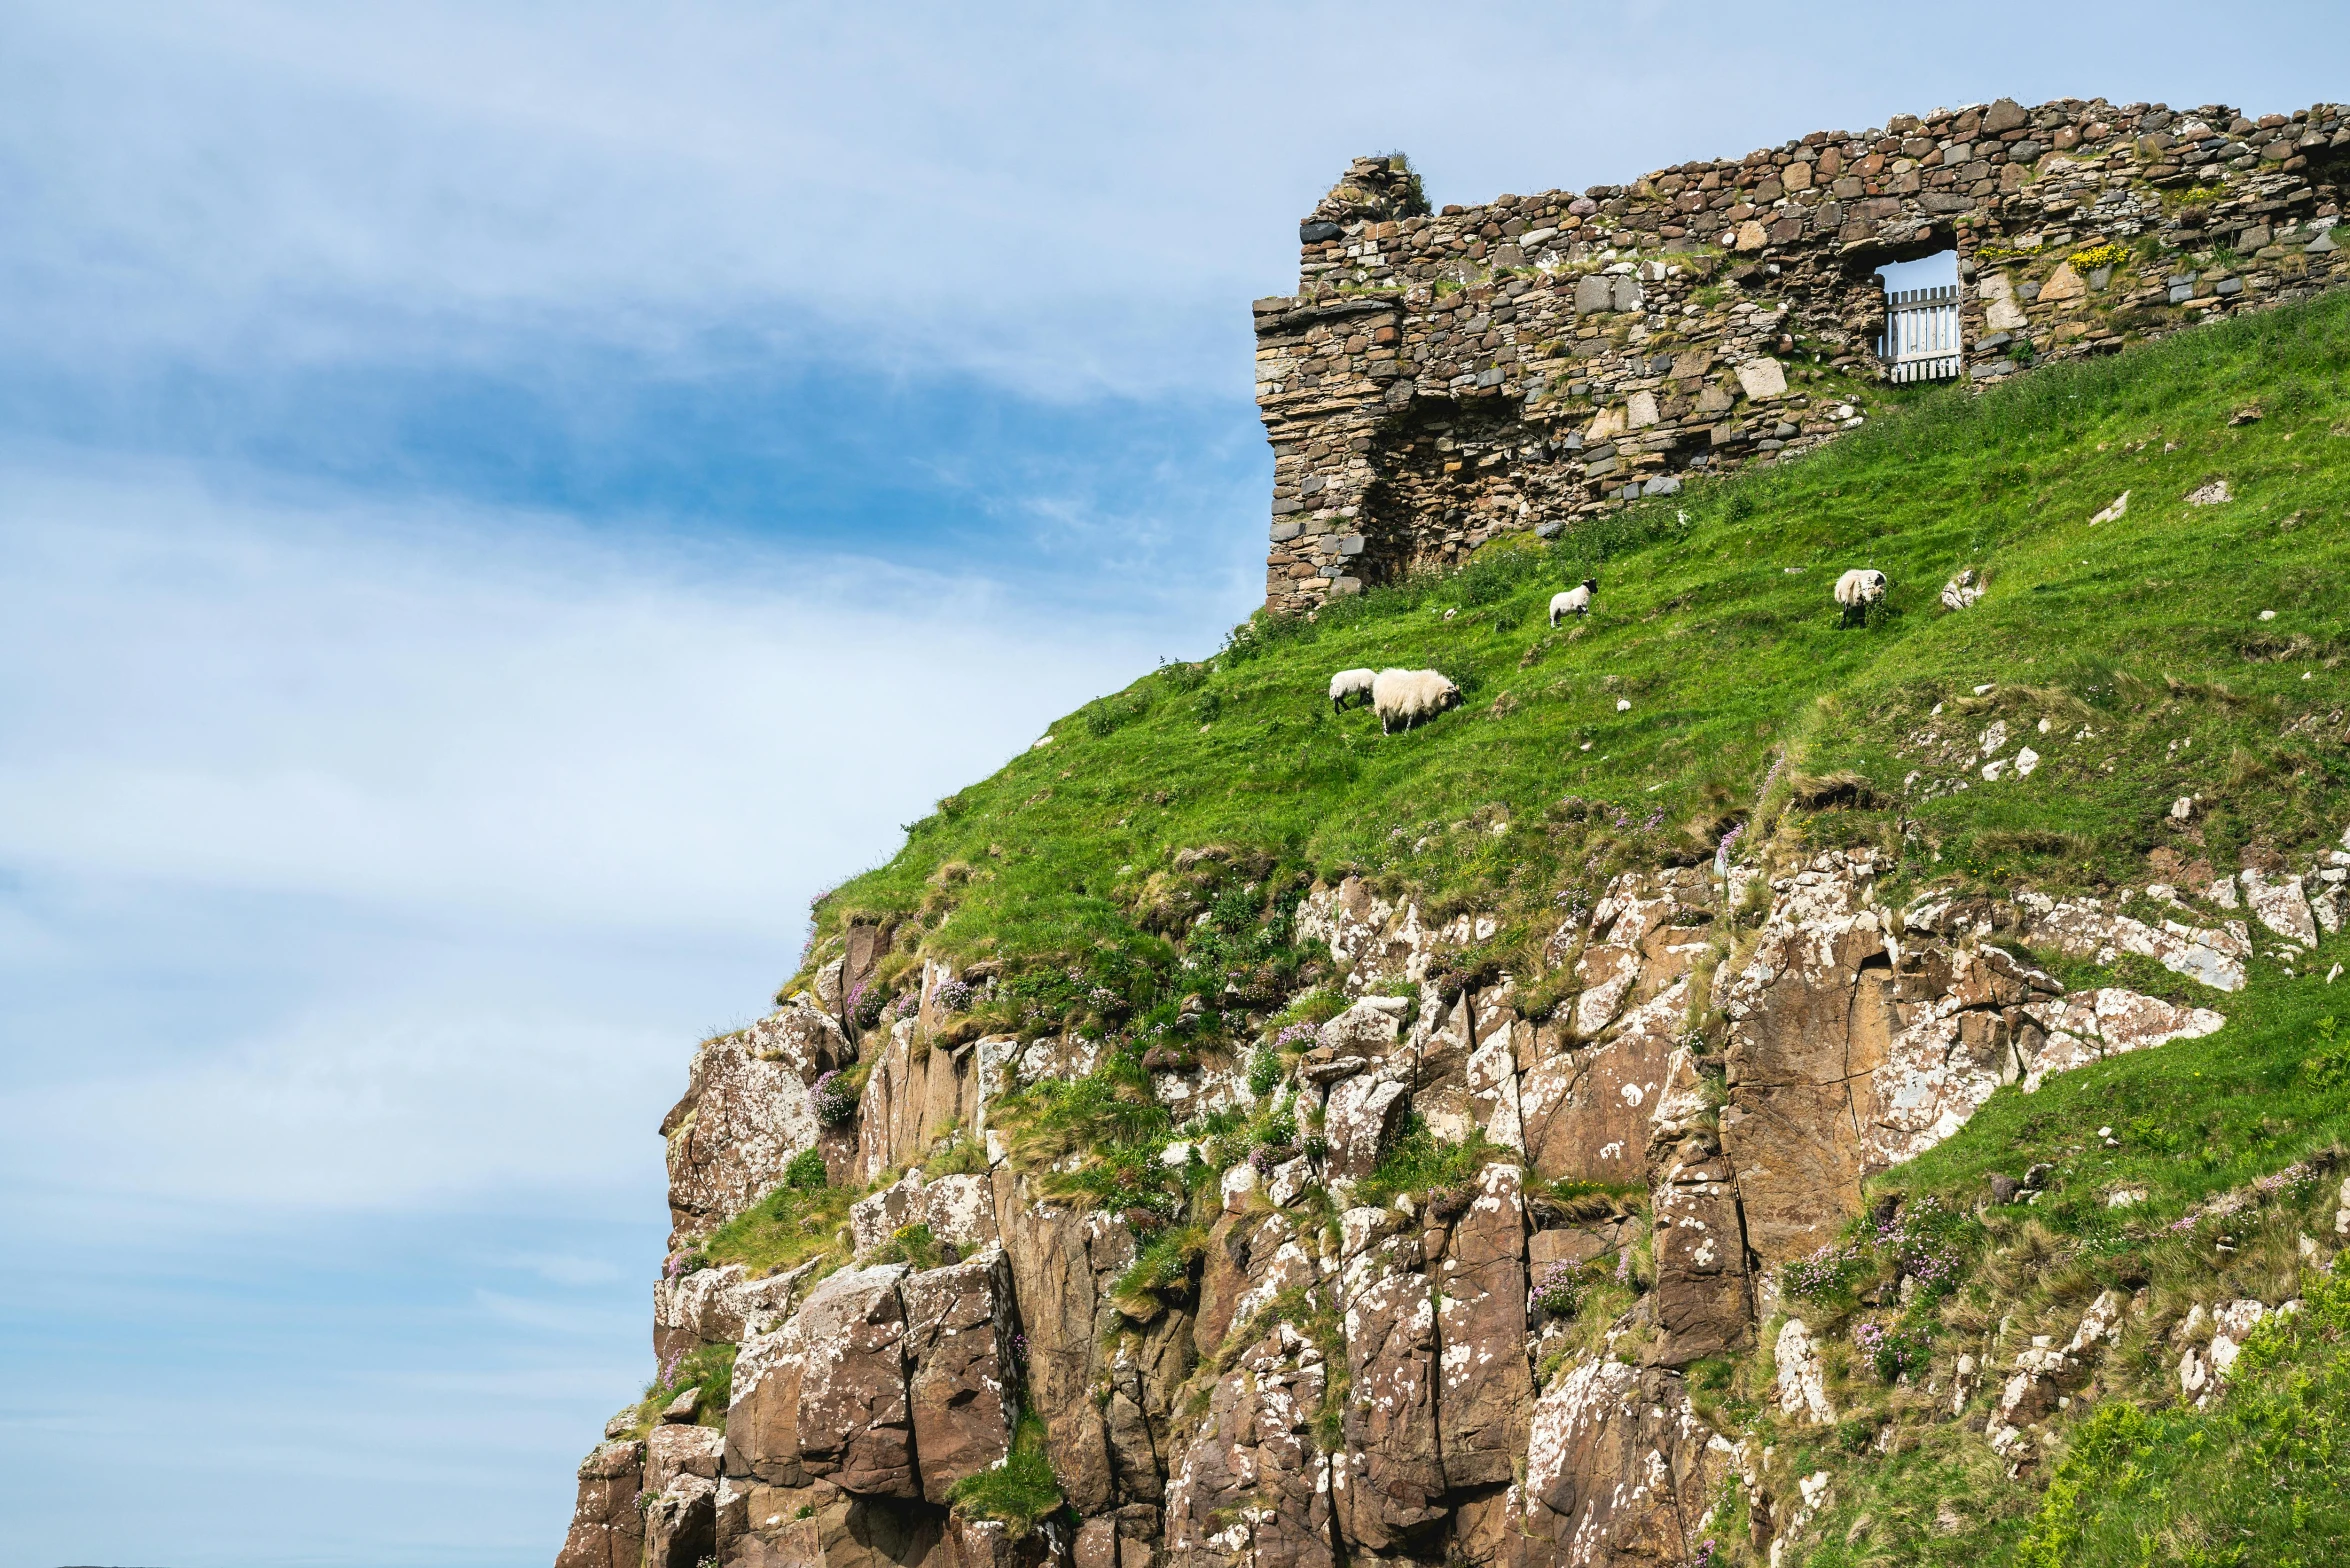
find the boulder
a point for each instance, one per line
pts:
(672, 1451)
(2281, 906)
(1363, 1113)
(721, 1306)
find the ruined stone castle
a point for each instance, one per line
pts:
(1443, 378)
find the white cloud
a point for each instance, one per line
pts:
(1064, 198)
(467, 712)
(502, 787)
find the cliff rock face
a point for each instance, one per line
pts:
(1345, 1381)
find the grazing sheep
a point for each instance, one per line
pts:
(1403, 698)
(1857, 589)
(1575, 601)
(1351, 683)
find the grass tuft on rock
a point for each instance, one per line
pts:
(1022, 1490)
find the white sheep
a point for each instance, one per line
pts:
(1857, 589)
(1575, 601)
(1354, 684)
(1403, 698)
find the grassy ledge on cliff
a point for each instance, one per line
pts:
(2143, 694)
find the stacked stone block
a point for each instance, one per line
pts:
(1443, 378)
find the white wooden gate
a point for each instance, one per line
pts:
(1921, 341)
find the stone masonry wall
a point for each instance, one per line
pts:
(1443, 378)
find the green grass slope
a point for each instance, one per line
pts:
(1715, 650)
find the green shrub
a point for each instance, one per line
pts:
(806, 1172)
(915, 1246)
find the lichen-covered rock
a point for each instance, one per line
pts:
(1704, 1294)
(959, 1336)
(1362, 1114)
(1485, 1386)
(1253, 1489)
(2083, 928)
(681, 1523)
(1060, 1260)
(1811, 1021)
(825, 1397)
(1619, 1470)
(2280, 905)
(721, 1306)
(1803, 1382)
(2110, 1022)
(607, 1531)
(745, 1114)
(1389, 1477)
(915, 1093)
(675, 1450)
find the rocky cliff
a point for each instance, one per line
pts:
(1753, 1085)
(1334, 1379)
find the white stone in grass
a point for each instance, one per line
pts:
(2114, 513)
(2281, 906)
(2212, 494)
(1803, 1383)
(1623, 705)
(2268, 615)
(2025, 761)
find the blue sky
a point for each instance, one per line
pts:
(501, 504)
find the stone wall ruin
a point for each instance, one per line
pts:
(1443, 378)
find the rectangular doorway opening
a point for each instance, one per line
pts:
(1922, 335)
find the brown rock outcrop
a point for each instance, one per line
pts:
(1253, 1490)
(1485, 1386)
(606, 1529)
(964, 1401)
(745, 1113)
(825, 1397)
(1619, 1470)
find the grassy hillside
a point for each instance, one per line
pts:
(1714, 651)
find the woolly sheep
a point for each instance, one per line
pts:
(1575, 601)
(1351, 684)
(1857, 589)
(1403, 698)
